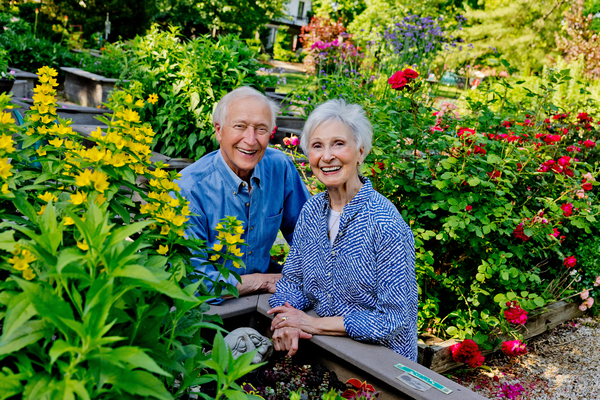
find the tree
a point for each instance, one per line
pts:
(344, 10)
(244, 17)
(581, 40)
(514, 29)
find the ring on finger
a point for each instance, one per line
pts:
(283, 318)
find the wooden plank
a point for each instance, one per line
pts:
(438, 357)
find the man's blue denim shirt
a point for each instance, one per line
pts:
(274, 203)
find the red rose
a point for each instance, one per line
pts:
(570, 262)
(515, 314)
(468, 208)
(587, 186)
(467, 352)
(410, 74)
(567, 209)
(398, 81)
(589, 144)
(514, 348)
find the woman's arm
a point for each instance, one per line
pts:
(289, 317)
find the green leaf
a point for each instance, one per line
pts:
(137, 358)
(66, 257)
(474, 181)
(452, 331)
(220, 351)
(140, 383)
(19, 311)
(7, 241)
(59, 347)
(30, 332)
(10, 385)
(539, 301)
(235, 395)
(500, 298)
(126, 231)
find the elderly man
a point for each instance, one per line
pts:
(246, 179)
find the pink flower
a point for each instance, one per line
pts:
(567, 209)
(590, 302)
(514, 348)
(468, 208)
(294, 141)
(556, 233)
(589, 144)
(597, 283)
(585, 294)
(515, 314)
(286, 141)
(520, 233)
(570, 262)
(583, 306)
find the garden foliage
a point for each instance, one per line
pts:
(500, 195)
(189, 77)
(92, 260)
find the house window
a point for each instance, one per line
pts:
(300, 9)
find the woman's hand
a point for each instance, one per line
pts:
(287, 339)
(289, 317)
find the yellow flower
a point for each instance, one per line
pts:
(162, 249)
(28, 274)
(153, 98)
(179, 220)
(46, 119)
(165, 230)
(239, 229)
(119, 160)
(235, 251)
(217, 247)
(5, 189)
(41, 152)
(6, 143)
(22, 263)
(128, 99)
(153, 226)
(6, 118)
(236, 264)
(100, 199)
(130, 115)
(232, 239)
(41, 212)
(83, 246)
(97, 134)
(56, 142)
(219, 227)
(100, 180)
(94, 154)
(78, 198)
(68, 221)
(47, 197)
(180, 232)
(5, 168)
(84, 178)
(214, 257)
(139, 103)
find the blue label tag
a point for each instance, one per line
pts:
(424, 378)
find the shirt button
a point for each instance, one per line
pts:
(243, 183)
(247, 204)
(333, 253)
(250, 252)
(234, 193)
(329, 295)
(251, 228)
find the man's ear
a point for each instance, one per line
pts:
(218, 131)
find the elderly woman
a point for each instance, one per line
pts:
(352, 258)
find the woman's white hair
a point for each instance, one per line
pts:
(351, 115)
(220, 112)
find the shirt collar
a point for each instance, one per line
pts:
(357, 202)
(230, 177)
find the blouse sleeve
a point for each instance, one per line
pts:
(397, 299)
(290, 287)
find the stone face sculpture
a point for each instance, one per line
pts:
(244, 340)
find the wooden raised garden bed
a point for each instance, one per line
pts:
(344, 356)
(85, 88)
(435, 354)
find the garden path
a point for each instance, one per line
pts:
(563, 363)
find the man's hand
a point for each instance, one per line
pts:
(287, 339)
(257, 283)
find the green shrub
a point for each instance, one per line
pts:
(111, 64)
(91, 301)
(486, 191)
(189, 77)
(281, 46)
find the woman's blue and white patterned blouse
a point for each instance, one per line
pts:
(367, 276)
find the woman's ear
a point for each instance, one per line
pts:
(361, 154)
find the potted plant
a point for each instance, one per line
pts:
(7, 78)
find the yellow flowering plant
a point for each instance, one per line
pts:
(92, 259)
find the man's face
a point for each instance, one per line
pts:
(244, 135)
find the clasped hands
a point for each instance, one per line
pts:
(290, 325)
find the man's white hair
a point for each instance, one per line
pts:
(351, 115)
(220, 113)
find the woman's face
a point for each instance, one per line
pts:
(332, 154)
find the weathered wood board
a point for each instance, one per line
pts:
(438, 357)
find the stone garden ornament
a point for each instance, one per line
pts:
(245, 340)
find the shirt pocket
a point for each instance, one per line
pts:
(275, 219)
